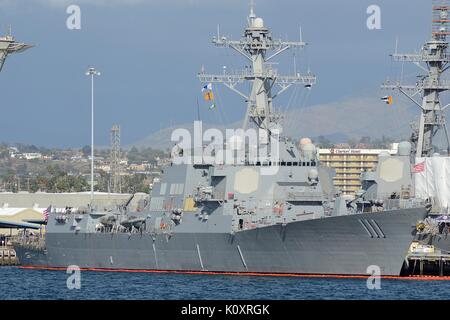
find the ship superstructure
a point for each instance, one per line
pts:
(259, 48)
(433, 59)
(9, 45)
(430, 165)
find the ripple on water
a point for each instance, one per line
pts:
(38, 284)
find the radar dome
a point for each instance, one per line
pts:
(304, 141)
(404, 148)
(258, 23)
(313, 175)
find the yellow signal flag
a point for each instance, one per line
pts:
(209, 96)
(387, 99)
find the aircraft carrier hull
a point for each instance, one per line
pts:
(344, 245)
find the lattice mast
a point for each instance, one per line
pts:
(258, 47)
(115, 160)
(8, 45)
(434, 60)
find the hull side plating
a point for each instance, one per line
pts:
(337, 245)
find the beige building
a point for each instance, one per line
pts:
(349, 163)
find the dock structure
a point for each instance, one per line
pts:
(8, 257)
(437, 264)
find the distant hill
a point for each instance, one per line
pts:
(337, 121)
(161, 139)
(352, 118)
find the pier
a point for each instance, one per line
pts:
(436, 264)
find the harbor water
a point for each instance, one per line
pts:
(19, 283)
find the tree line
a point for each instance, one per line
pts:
(57, 180)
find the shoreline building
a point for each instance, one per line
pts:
(350, 163)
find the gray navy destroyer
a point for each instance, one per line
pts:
(274, 213)
(432, 164)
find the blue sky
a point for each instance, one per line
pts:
(149, 52)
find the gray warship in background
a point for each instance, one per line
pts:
(277, 214)
(431, 164)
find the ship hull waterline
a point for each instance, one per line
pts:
(344, 245)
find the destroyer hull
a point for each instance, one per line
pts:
(345, 245)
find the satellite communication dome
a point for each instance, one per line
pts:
(236, 143)
(313, 174)
(404, 148)
(303, 142)
(258, 23)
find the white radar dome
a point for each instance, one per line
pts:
(313, 175)
(304, 141)
(258, 23)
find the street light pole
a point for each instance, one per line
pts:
(92, 72)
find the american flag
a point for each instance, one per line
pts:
(46, 212)
(420, 167)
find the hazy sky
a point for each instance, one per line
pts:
(149, 52)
